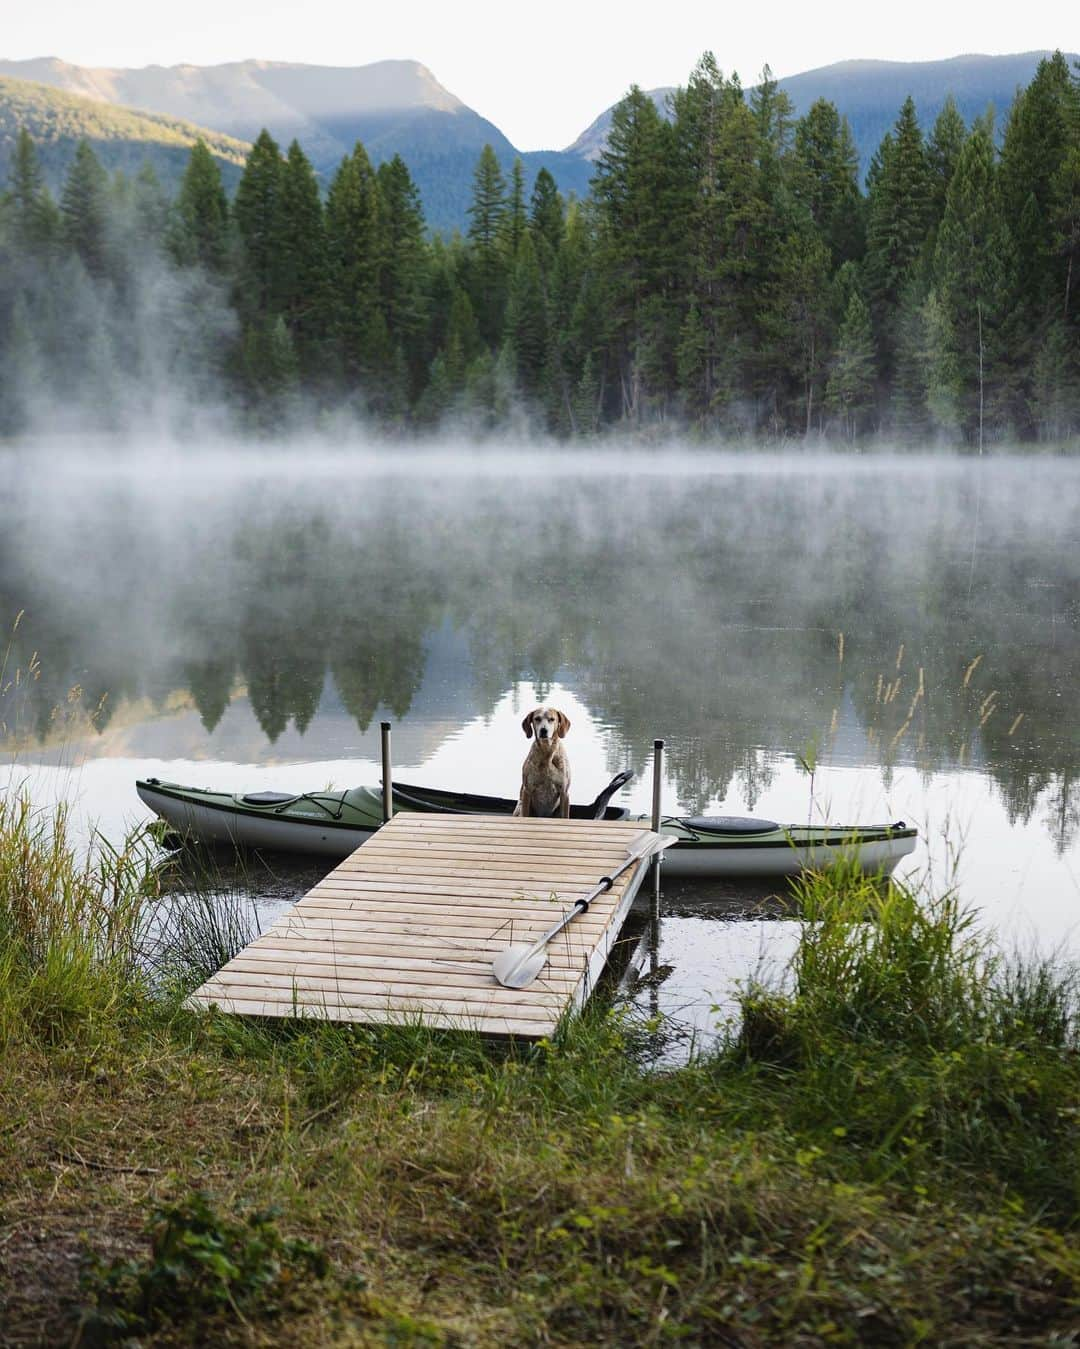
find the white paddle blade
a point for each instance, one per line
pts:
(518, 966)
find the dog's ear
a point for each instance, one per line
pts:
(526, 724)
(564, 723)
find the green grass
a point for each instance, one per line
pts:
(888, 1153)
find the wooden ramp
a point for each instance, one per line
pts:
(405, 929)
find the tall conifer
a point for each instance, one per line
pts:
(352, 231)
(201, 232)
(301, 264)
(973, 253)
(898, 219)
(488, 263)
(83, 210)
(258, 218)
(547, 217)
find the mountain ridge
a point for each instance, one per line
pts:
(400, 107)
(392, 107)
(123, 138)
(869, 92)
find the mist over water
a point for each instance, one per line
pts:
(909, 627)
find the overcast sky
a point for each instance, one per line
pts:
(540, 72)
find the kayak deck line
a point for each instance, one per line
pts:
(404, 929)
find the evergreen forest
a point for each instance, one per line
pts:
(728, 274)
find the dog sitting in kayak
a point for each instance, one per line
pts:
(545, 774)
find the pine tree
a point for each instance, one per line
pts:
(639, 250)
(33, 215)
(587, 400)
(771, 109)
(942, 381)
(825, 179)
(403, 266)
(1038, 136)
(301, 268)
(943, 150)
(23, 371)
(83, 210)
(1066, 220)
(908, 408)
(772, 112)
(488, 266)
(352, 232)
(256, 209)
(547, 218)
(898, 219)
(719, 196)
(151, 210)
(576, 314)
(692, 358)
(271, 371)
(463, 340)
(515, 221)
(1055, 385)
(970, 267)
(201, 234)
(795, 328)
(526, 320)
(850, 390)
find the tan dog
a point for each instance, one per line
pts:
(545, 774)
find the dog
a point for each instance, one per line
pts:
(545, 774)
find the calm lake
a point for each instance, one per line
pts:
(906, 627)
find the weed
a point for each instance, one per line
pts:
(199, 1265)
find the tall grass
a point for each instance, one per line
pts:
(909, 1036)
(205, 915)
(73, 925)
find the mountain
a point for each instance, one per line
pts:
(393, 107)
(869, 94)
(122, 139)
(399, 107)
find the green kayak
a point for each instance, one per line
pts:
(333, 824)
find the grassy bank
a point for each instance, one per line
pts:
(886, 1155)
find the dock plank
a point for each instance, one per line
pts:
(406, 927)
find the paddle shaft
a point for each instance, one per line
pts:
(601, 888)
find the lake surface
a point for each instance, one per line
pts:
(908, 627)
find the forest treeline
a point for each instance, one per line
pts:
(727, 272)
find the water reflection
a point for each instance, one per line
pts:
(824, 609)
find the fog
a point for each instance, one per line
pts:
(739, 603)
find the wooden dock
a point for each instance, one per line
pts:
(405, 929)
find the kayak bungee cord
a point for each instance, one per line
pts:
(316, 800)
(279, 804)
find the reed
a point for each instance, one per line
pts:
(930, 1052)
(206, 914)
(73, 926)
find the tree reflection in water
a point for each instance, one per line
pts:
(753, 606)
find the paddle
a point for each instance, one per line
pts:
(518, 966)
(595, 810)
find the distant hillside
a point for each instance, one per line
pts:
(393, 107)
(399, 107)
(122, 139)
(869, 94)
